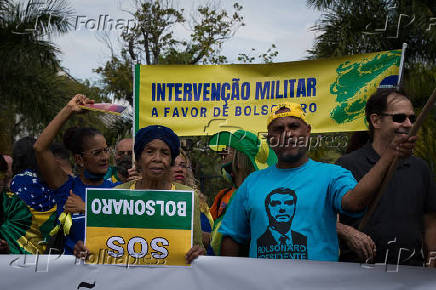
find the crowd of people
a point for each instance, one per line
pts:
(281, 205)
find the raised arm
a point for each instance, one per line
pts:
(51, 173)
(357, 199)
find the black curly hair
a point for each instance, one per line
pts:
(74, 138)
(24, 155)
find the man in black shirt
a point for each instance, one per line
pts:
(403, 227)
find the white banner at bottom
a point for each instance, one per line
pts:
(65, 272)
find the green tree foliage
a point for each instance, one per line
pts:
(352, 27)
(117, 77)
(33, 87)
(253, 56)
(28, 78)
(206, 165)
(153, 41)
(426, 144)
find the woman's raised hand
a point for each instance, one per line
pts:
(77, 101)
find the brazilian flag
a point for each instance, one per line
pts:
(29, 214)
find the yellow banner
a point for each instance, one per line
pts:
(206, 99)
(132, 246)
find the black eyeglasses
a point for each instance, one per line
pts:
(400, 118)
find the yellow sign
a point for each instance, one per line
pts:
(206, 99)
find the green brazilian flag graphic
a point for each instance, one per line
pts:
(356, 81)
(25, 229)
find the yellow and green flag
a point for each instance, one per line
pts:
(138, 227)
(206, 99)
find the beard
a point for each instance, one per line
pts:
(292, 157)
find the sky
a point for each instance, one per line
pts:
(285, 23)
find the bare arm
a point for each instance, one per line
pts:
(430, 238)
(229, 247)
(357, 241)
(47, 165)
(358, 198)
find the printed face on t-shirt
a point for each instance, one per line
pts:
(282, 207)
(278, 241)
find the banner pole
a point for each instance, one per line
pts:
(136, 63)
(134, 110)
(400, 76)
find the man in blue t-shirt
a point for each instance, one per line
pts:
(289, 211)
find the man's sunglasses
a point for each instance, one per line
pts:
(129, 153)
(400, 118)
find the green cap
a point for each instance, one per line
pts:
(257, 150)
